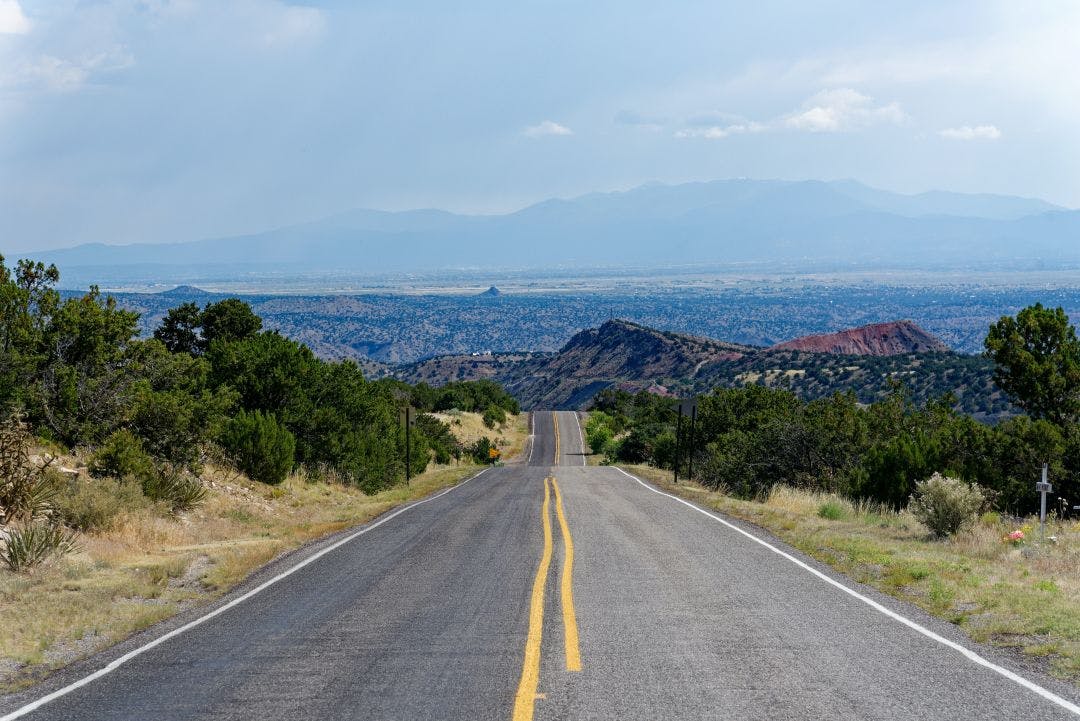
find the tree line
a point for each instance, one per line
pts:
(210, 382)
(748, 439)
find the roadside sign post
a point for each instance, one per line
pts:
(687, 407)
(1043, 487)
(678, 435)
(408, 419)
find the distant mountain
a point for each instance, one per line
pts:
(794, 223)
(491, 292)
(879, 339)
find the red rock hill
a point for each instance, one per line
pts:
(876, 339)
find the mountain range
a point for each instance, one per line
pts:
(728, 221)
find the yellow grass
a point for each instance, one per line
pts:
(150, 565)
(1025, 598)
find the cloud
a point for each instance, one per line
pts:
(548, 127)
(65, 74)
(829, 111)
(967, 132)
(842, 109)
(13, 20)
(716, 132)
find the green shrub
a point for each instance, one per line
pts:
(494, 416)
(481, 450)
(94, 505)
(175, 486)
(259, 446)
(946, 505)
(832, 510)
(121, 456)
(29, 545)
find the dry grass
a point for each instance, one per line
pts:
(508, 437)
(1025, 598)
(149, 565)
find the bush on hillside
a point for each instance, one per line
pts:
(946, 505)
(259, 446)
(94, 505)
(121, 456)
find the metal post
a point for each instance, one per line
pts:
(678, 434)
(690, 453)
(408, 449)
(1043, 488)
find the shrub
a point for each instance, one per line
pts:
(121, 456)
(175, 486)
(481, 450)
(494, 416)
(94, 505)
(946, 505)
(26, 489)
(31, 544)
(259, 446)
(832, 510)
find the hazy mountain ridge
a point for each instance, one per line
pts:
(720, 221)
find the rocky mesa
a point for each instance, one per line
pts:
(876, 339)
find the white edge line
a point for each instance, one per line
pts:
(581, 437)
(118, 662)
(532, 442)
(968, 653)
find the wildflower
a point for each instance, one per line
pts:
(1015, 538)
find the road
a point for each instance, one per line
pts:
(549, 590)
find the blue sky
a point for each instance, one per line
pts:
(154, 120)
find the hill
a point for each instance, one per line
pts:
(633, 357)
(876, 339)
(784, 223)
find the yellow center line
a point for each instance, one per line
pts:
(530, 671)
(555, 420)
(570, 630)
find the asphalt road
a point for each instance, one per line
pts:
(467, 607)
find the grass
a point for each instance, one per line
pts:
(1025, 598)
(149, 564)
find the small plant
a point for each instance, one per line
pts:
(832, 510)
(121, 456)
(174, 486)
(94, 505)
(34, 543)
(946, 505)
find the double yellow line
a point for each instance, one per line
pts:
(525, 699)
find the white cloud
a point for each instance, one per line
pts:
(829, 111)
(548, 127)
(832, 111)
(716, 132)
(967, 132)
(65, 74)
(13, 20)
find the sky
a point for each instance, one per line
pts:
(127, 121)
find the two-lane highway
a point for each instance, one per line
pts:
(552, 590)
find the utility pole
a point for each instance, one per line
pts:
(678, 435)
